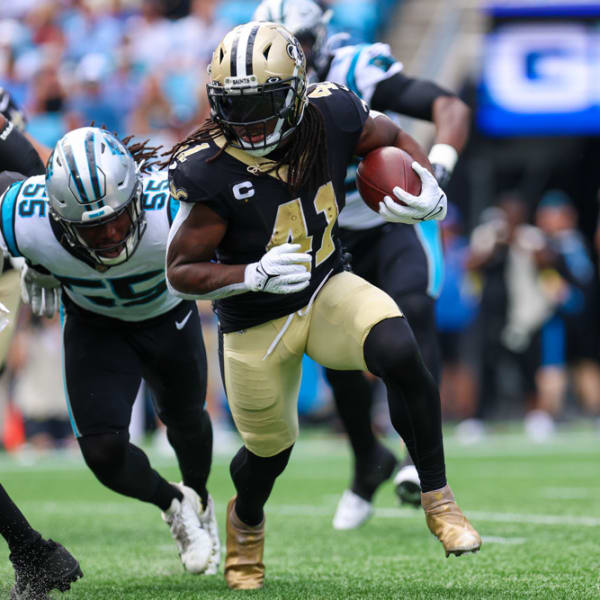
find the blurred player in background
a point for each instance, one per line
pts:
(96, 229)
(268, 169)
(403, 260)
(40, 565)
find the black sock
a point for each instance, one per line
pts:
(14, 527)
(192, 442)
(371, 470)
(253, 477)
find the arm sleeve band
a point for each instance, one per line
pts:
(407, 96)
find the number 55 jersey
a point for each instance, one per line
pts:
(135, 290)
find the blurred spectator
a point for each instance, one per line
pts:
(568, 278)
(150, 36)
(505, 252)
(89, 100)
(456, 309)
(35, 363)
(47, 121)
(198, 34)
(90, 28)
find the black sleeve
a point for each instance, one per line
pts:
(191, 181)
(17, 153)
(407, 96)
(339, 106)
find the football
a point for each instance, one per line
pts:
(381, 170)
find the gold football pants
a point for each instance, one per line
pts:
(10, 296)
(263, 364)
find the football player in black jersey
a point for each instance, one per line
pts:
(405, 260)
(261, 184)
(40, 565)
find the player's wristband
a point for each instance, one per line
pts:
(445, 155)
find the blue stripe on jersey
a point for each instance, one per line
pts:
(173, 208)
(351, 75)
(428, 233)
(63, 318)
(9, 205)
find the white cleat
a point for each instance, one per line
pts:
(209, 524)
(352, 511)
(408, 485)
(193, 541)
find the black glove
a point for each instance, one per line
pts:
(10, 110)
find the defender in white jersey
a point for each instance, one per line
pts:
(402, 258)
(96, 228)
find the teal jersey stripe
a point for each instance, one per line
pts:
(429, 235)
(9, 205)
(63, 318)
(351, 75)
(173, 208)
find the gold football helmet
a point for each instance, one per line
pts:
(257, 89)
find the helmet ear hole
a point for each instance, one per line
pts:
(266, 51)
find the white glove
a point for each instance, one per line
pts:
(431, 203)
(282, 270)
(39, 290)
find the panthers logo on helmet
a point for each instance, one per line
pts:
(257, 91)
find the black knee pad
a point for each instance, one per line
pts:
(104, 453)
(391, 347)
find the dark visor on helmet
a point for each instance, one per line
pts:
(248, 108)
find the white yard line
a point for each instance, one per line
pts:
(397, 513)
(326, 510)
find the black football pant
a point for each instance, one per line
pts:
(392, 258)
(105, 360)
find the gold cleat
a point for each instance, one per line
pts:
(447, 522)
(244, 568)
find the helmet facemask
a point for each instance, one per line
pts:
(129, 243)
(257, 119)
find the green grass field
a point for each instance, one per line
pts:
(536, 506)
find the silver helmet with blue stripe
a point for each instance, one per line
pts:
(307, 20)
(91, 180)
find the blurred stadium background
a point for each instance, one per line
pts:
(518, 328)
(518, 332)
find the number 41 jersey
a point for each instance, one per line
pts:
(260, 211)
(132, 291)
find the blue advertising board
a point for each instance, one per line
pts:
(540, 78)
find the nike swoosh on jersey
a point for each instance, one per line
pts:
(181, 324)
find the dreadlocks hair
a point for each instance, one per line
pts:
(145, 156)
(305, 154)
